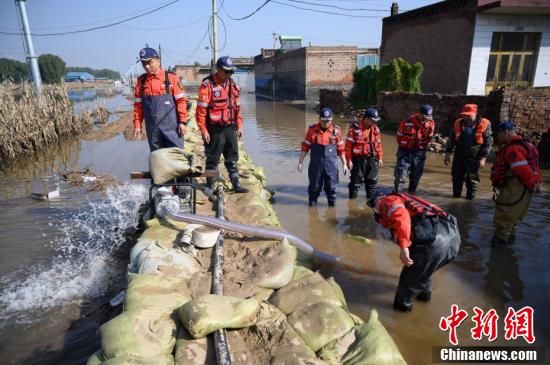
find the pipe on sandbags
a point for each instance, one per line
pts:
(299, 243)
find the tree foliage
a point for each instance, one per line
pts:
(104, 72)
(12, 70)
(52, 68)
(396, 75)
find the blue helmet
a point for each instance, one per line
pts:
(427, 110)
(225, 63)
(147, 53)
(325, 114)
(372, 113)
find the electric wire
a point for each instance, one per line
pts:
(337, 7)
(326, 12)
(249, 15)
(95, 28)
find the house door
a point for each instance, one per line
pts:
(512, 60)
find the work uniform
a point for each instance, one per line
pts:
(219, 113)
(471, 142)
(325, 146)
(430, 234)
(413, 137)
(162, 102)
(514, 176)
(364, 149)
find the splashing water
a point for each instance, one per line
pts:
(83, 261)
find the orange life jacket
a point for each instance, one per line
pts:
(480, 128)
(317, 132)
(416, 206)
(499, 170)
(411, 137)
(365, 140)
(222, 104)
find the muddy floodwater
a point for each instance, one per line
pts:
(62, 260)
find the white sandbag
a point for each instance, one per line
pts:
(334, 351)
(280, 269)
(211, 312)
(143, 333)
(166, 164)
(296, 358)
(191, 351)
(320, 324)
(158, 260)
(152, 291)
(140, 245)
(374, 345)
(132, 360)
(308, 290)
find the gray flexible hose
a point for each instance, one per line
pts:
(299, 243)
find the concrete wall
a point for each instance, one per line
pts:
(440, 38)
(486, 24)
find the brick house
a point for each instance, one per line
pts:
(473, 46)
(298, 74)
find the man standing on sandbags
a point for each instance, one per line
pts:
(428, 237)
(324, 139)
(364, 153)
(473, 139)
(219, 118)
(161, 101)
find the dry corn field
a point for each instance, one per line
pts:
(28, 124)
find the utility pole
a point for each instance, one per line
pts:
(32, 60)
(214, 32)
(160, 54)
(274, 39)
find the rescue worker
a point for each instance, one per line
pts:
(516, 177)
(471, 141)
(413, 136)
(219, 119)
(161, 101)
(364, 153)
(324, 139)
(428, 238)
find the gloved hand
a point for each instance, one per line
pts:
(300, 166)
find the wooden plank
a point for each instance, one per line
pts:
(136, 175)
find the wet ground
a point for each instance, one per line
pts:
(61, 260)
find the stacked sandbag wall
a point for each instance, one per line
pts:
(275, 310)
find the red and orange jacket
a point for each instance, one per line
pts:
(362, 141)
(483, 136)
(414, 134)
(213, 107)
(152, 85)
(316, 135)
(397, 211)
(521, 159)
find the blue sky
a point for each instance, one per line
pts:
(180, 27)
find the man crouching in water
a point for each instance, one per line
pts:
(428, 237)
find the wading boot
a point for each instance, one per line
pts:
(425, 296)
(312, 203)
(331, 203)
(402, 307)
(470, 194)
(353, 192)
(237, 188)
(395, 188)
(498, 242)
(412, 187)
(457, 190)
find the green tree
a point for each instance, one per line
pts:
(105, 72)
(12, 70)
(52, 68)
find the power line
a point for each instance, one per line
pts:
(168, 27)
(326, 12)
(249, 15)
(98, 27)
(337, 7)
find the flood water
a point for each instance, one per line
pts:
(61, 260)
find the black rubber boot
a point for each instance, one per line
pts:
(237, 188)
(457, 189)
(312, 203)
(511, 239)
(412, 188)
(395, 188)
(353, 192)
(402, 306)
(470, 194)
(425, 296)
(495, 242)
(331, 203)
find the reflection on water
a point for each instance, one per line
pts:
(480, 276)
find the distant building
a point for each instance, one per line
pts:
(298, 74)
(473, 46)
(192, 75)
(78, 76)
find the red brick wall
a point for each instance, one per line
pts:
(529, 108)
(441, 39)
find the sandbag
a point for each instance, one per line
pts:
(140, 245)
(374, 345)
(211, 312)
(321, 323)
(191, 351)
(153, 291)
(158, 260)
(301, 271)
(308, 290)
(143, 333)
(295, 358)
(132, 360)
(162, 233)
(280, 268)
(166, 164)
(334, 351)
